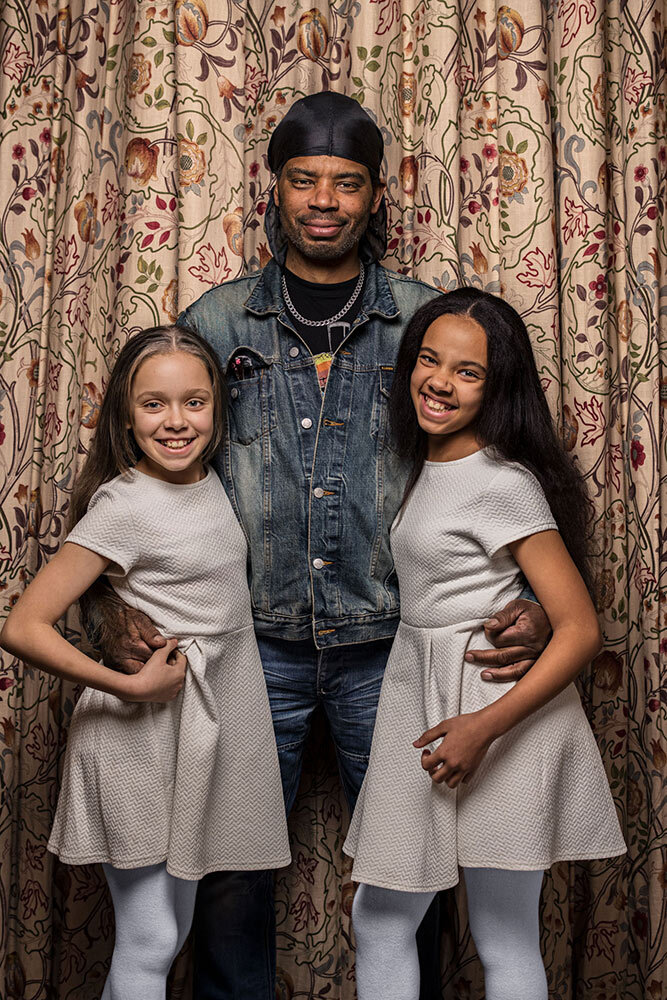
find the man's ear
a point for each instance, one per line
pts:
(378, 191)
(276, 196)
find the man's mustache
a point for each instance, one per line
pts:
(325, 220)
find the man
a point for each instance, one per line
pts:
(309, 345)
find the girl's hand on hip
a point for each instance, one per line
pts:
(466, 740)
(161, 678)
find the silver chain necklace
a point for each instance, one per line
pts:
(332, 319)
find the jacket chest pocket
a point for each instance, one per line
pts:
(251, 408)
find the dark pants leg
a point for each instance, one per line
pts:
(234, 924)
(234, 937)
(428, 948)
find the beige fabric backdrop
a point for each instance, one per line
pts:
(525, 153)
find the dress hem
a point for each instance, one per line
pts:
(186, 874)
(443, 884)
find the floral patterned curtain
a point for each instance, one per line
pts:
(525, 153)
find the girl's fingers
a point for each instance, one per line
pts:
(427, 737)
(432, 734)
(439, 770)
(447, 776)
(166, 651)
(432, 761)
(442, 775)
(177, 659)
(177, 673)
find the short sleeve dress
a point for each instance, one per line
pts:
(540, 794)
(180, 782)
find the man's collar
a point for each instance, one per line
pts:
(267, 297)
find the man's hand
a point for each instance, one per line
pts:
(161, 678)
(127, 638)
(519, 632)
(466, 740)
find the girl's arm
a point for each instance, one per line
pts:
(30, 633)
(559, 588)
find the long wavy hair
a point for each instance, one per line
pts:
(514, 419)
(113, 449)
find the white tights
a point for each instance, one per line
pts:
(153, 916)
(503, 910)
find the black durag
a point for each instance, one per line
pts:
(328, 124)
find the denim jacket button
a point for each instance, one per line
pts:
(318, 563)
(318, 492)
(234, 393)
(306, 423)
(294, 352)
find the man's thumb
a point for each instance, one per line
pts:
(152, 637)
(503, 619)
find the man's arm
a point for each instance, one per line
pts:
(124, 637)
(519, 632)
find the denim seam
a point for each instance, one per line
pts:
(291, 746)
(352, 756)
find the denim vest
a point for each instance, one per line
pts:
(313, 480)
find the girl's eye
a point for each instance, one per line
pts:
(152, 404)
(426, 358)
(469, 374)
(195, 403)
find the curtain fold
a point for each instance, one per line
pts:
(526, 153)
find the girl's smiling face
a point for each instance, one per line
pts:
(447, 386)
(171, 416)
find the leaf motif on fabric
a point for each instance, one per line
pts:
(540, 269)
(304, 911)
(576, 223)
(41, 744)
(66, 255)
(52, 427)
(33, 898)
(55, 368)
(213, 268)
(78, 311)
(613, 464)
(35, 855)
(111, 199)
(253, 82)
(307, 866)
(389, 11)
(634, 83)
(593, 419)
(574, 13)
(600, 939)
(15, 62)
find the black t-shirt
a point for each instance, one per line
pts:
(317, 302)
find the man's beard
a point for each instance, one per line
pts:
(348, 237)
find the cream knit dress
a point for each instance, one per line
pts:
(180, 782)
(541, 794)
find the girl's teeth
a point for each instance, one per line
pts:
(439, 407)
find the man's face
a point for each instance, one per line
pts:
(325, 203)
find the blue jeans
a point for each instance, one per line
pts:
(234, 923)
